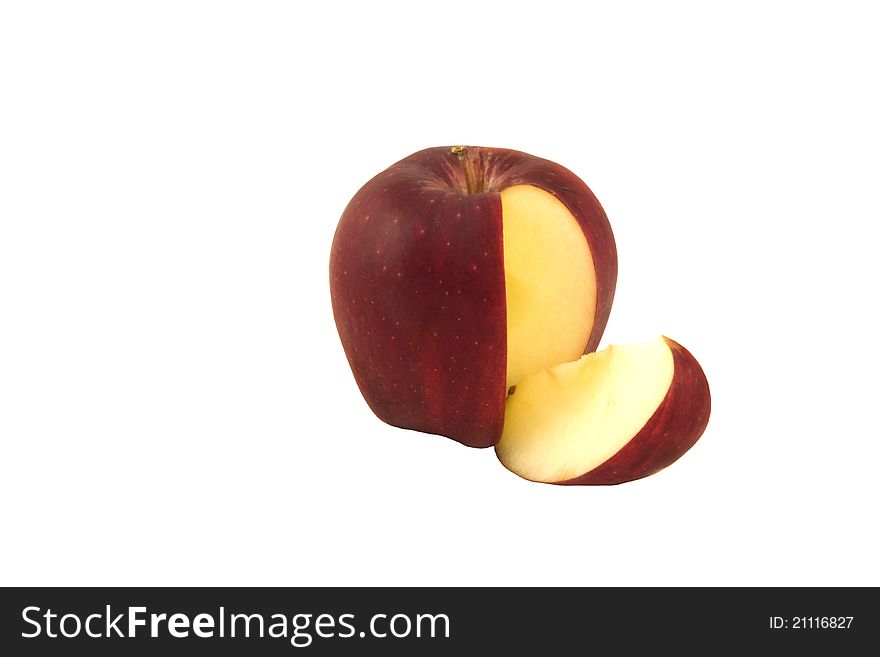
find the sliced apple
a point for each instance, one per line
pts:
(614, 416)
(458, 271)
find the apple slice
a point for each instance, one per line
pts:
(613, 416)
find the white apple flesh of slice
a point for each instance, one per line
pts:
(613, 416)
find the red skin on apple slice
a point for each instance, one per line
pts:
(417, 286)
(675, 426)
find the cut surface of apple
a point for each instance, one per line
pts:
(550, 282)
(613, 416)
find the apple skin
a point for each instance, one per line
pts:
(672, 430)
(417, 286)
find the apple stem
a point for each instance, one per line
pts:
(468, 167)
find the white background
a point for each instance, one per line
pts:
(175, 406)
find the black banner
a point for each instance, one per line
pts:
(439, 621)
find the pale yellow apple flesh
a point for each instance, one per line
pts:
(567, 420)
(550, 282)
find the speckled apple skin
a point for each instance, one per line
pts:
(674, 428)
(417, 286)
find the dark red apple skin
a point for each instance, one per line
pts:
(417, 285)
(673, 429)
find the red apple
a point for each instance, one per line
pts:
(459, 272)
